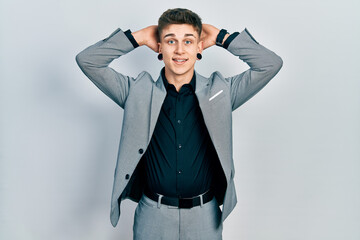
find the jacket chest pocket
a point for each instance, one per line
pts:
(216, 97)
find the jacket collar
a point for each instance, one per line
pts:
(166, 83)
(200, 82)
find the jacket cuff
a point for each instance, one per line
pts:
(243, 40)
(229, 39)
(131, 38)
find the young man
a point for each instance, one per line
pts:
(175, 152)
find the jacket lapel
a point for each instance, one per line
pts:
(157, 99)
(217, 119)
(201, 89)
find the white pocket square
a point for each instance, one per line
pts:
(216, 94)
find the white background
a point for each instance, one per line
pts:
(296, 143)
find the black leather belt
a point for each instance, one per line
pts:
(180, 202)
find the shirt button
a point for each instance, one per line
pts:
(141, 150)
(179, 172)
(179, 146)
(127, 176)
(179, 121)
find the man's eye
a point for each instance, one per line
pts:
(187, 42)
(171, 41)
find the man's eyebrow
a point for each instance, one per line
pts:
(173, 35)
(189, 35)
(169, 35)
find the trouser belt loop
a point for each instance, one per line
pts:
(201, 200)
(159, 200)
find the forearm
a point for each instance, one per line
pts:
(94, 61)
(258, 57)
(103, 52)
(264, 65)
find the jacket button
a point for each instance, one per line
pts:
(141, 150)
(127, 176)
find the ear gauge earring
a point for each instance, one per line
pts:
(160, 56)
(199, 56)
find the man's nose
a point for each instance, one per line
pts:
(179, 48)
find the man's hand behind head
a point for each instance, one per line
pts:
(148, 36)
(209, 34)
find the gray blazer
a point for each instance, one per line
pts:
(142, 97)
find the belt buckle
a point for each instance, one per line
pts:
(186, 203)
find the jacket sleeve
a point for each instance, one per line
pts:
(94, 61)
(264, 65)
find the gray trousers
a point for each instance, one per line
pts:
(153, 221)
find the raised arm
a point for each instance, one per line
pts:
(264, 64)
(94, 61)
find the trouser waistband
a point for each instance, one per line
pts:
(180, 202)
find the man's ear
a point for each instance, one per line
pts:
(200, 46)
(159, 44)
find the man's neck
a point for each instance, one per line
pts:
(179, 80)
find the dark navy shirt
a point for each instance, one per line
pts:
(179, 161)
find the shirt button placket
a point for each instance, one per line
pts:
(179, 139)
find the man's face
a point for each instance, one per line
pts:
(179, 44)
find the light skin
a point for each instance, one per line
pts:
(179, 45)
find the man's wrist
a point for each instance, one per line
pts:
(131, 38)
(138, 36)
(225, 37)
(220, 38)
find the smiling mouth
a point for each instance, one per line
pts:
(179, 60)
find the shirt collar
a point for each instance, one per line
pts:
(166, 83)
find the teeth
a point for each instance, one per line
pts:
(178, 60)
